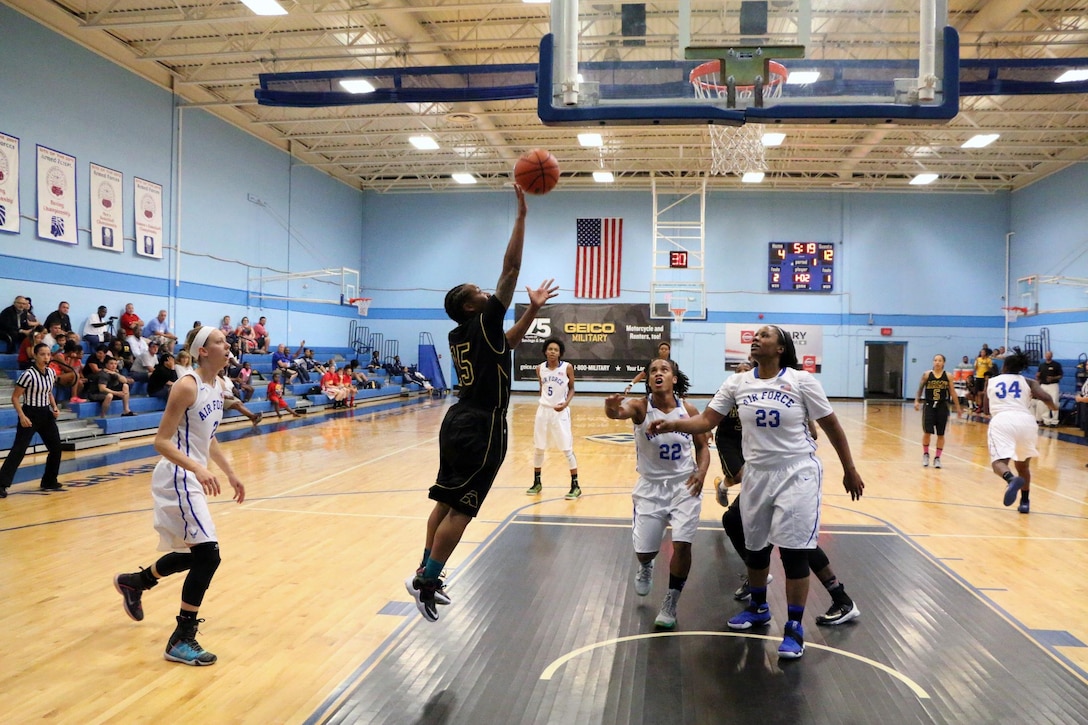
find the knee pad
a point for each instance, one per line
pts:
(817, 559)
(204, 563)
(795, 563)
(572, 462)
(538, 457)
(732, 522)
(760, 559)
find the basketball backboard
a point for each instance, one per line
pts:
(862, 61)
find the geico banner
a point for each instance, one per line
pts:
(808, 339)
(602, 342)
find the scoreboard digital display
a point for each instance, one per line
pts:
(801, 267)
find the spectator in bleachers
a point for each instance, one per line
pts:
(282, 363)
(348, 384)
(15, 324)
(261, 332)
(275, 396)
(247, 339)
(96, 361)
(107, 385)
(184, 363)
(306, 365)
(130, 320)
(37, 409)
(375, 363)
(60, 315)
(227, 329)
(162, 378)
(242, 382)
(159, 330)
(98, 328)
(54, 338)
(66, 377)
(332, 387)
(145, 357)
(122, 352)
(26, 348)
(73, 358)
(358, 377)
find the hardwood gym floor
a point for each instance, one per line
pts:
(971, 612)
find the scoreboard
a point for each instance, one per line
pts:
(801, 267)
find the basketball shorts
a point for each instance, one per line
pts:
(729, 454)
(659, 503)
(181, 514)
(471, 448)
(781, 506)
(1012, 435)
(554, 425)
(935, 419)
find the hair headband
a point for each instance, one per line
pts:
(201, 338)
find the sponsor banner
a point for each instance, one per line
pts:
(9, 183)
(601, 341)
(56, 196)
(107, 201)
(808, 339)
(148, 206)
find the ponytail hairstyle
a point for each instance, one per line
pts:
(196, 339)
(788, 358)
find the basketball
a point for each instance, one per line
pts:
(537, 172)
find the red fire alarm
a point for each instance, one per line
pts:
(886, 331)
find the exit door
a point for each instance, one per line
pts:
(885, 363)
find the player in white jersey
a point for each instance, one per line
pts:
(556, 379)
(670, 481)
(1012, 431)
(180, 485)
(780, 500)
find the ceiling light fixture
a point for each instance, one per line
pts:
(802, 77)
(752, 177)
(603, 177)
(357, 85)
(590, 139)
(980, 140)
(923, 179)
(265, 7)
(423, 143)
(463, 177)
(773, 139)
(1071, 76)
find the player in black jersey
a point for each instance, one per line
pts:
(472, 439)
(936, 386)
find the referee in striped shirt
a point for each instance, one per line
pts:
(37, 408)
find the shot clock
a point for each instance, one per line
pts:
(801, 267)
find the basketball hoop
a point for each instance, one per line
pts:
(678, 314)
(1012, 314)
(736, 149)
(362, 304)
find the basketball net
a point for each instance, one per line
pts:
(362, 304)
(736, 149)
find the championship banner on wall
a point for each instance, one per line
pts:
(9, 183)
(56, 196)
(808, 339)
(148, 205)
(602, 342)
(107, 201)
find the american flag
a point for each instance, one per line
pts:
(600, 252)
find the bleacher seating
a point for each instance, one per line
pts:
(83, 421)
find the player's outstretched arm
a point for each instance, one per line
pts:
(511, 262)
(702, 457)
(537, 298)
(704, 422)
(1038, 393)
(617, 407)
(851, 479)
